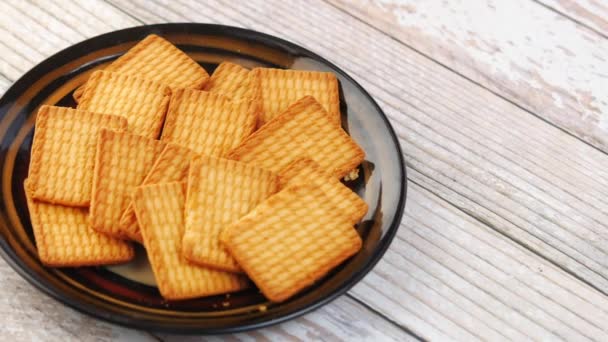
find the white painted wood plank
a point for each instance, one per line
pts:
(4, 84)
(533, 56)
(34, 30)
(591, 13)
(445, 259)
(529, 180)
(29, 315)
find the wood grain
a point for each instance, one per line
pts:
(544, 63)
(455, 276)
(29, 315)
(33, 30)
(590, 13)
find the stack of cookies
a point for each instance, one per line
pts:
(224, 179)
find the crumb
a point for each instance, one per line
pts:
(262, 308)
(352, 175)
(225, 304)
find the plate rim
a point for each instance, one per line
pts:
(15, 262)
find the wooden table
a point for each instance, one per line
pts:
(501, 108)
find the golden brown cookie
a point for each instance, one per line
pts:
(307, 171)
(160, 213)
(208, 123)
(171, 166)
(158, 60)
(122, 161)
(280, 88)
(63, 153)
(143, 102)
(303, 129)
(220, 191)
(292, 240)
(228, 80)
(64, 238)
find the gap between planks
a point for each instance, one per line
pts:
(590, 14)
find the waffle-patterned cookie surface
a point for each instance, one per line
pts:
(229, 80)
(280, 88)
(63, 153)
(122, 161)
(64, 238)
(208, 123)
(303, 129)
(160, 212)
(143, 102)
(291, 240)
(158, 60)
(171, 166)
(306, 170)
(220, 191)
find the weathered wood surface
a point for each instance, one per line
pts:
(518, 49)
(590, 13)
(504, 235)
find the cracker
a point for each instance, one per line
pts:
(307, 171)
(304, 129)
(160, 212)
(64, 238)
(280, 88)
(63, 153)
(208, 123)
(228, 79)
(143, 102)
(171, 166)
(220, 191)
(122, 161)
(158, 60)
(292, 240)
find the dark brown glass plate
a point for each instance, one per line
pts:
(126, 294)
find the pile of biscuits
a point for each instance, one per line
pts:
(223, 179)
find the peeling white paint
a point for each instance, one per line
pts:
(519, 41)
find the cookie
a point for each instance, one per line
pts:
(303, 130)
(143, 102)
(307, 171)
(220, 191)
(208, 123)
(292, 240)
(160, 213)
(229, 79)
(122, 161)
(63, 153)
(156, 59)
(64, 238)
(171, 166)
(280, 88)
